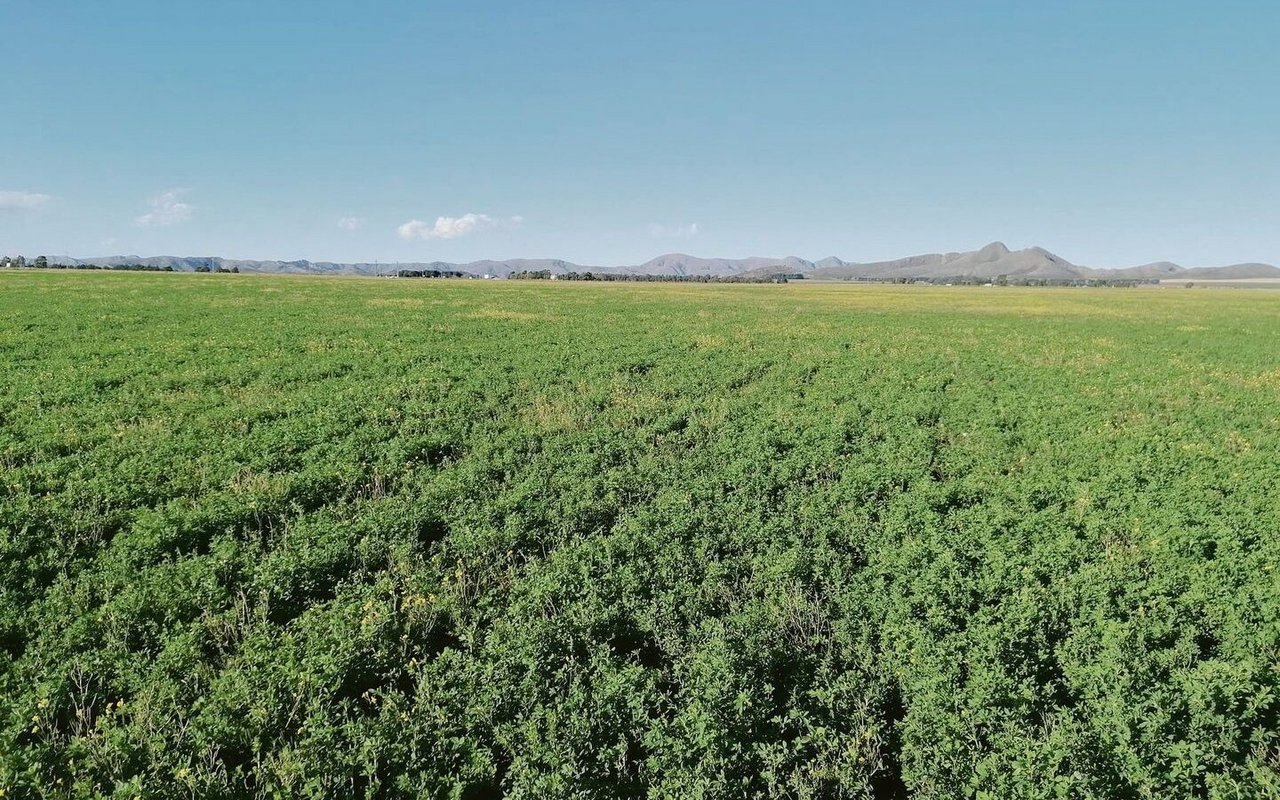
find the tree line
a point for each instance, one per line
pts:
(1008, 280)
(42, 262)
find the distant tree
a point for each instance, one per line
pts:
(20, 261)
(1002, 280)
(42, 262)
(235, 270)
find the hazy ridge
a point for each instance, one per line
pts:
(988, 262)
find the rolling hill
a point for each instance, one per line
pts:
(990, 261)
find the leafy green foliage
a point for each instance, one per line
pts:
(281, 537)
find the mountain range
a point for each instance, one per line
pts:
(988, 262)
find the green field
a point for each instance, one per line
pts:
(307, 537)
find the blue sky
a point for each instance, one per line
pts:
(608, 132)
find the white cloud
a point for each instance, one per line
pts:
(673, 231)
(350, 223)
(449, 227)
(166, 209)
(22, 201)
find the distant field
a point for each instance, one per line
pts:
(308, 537)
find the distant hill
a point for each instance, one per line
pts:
(1234, 272)
(1159, 269)
(681, 264)
(991, 261)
